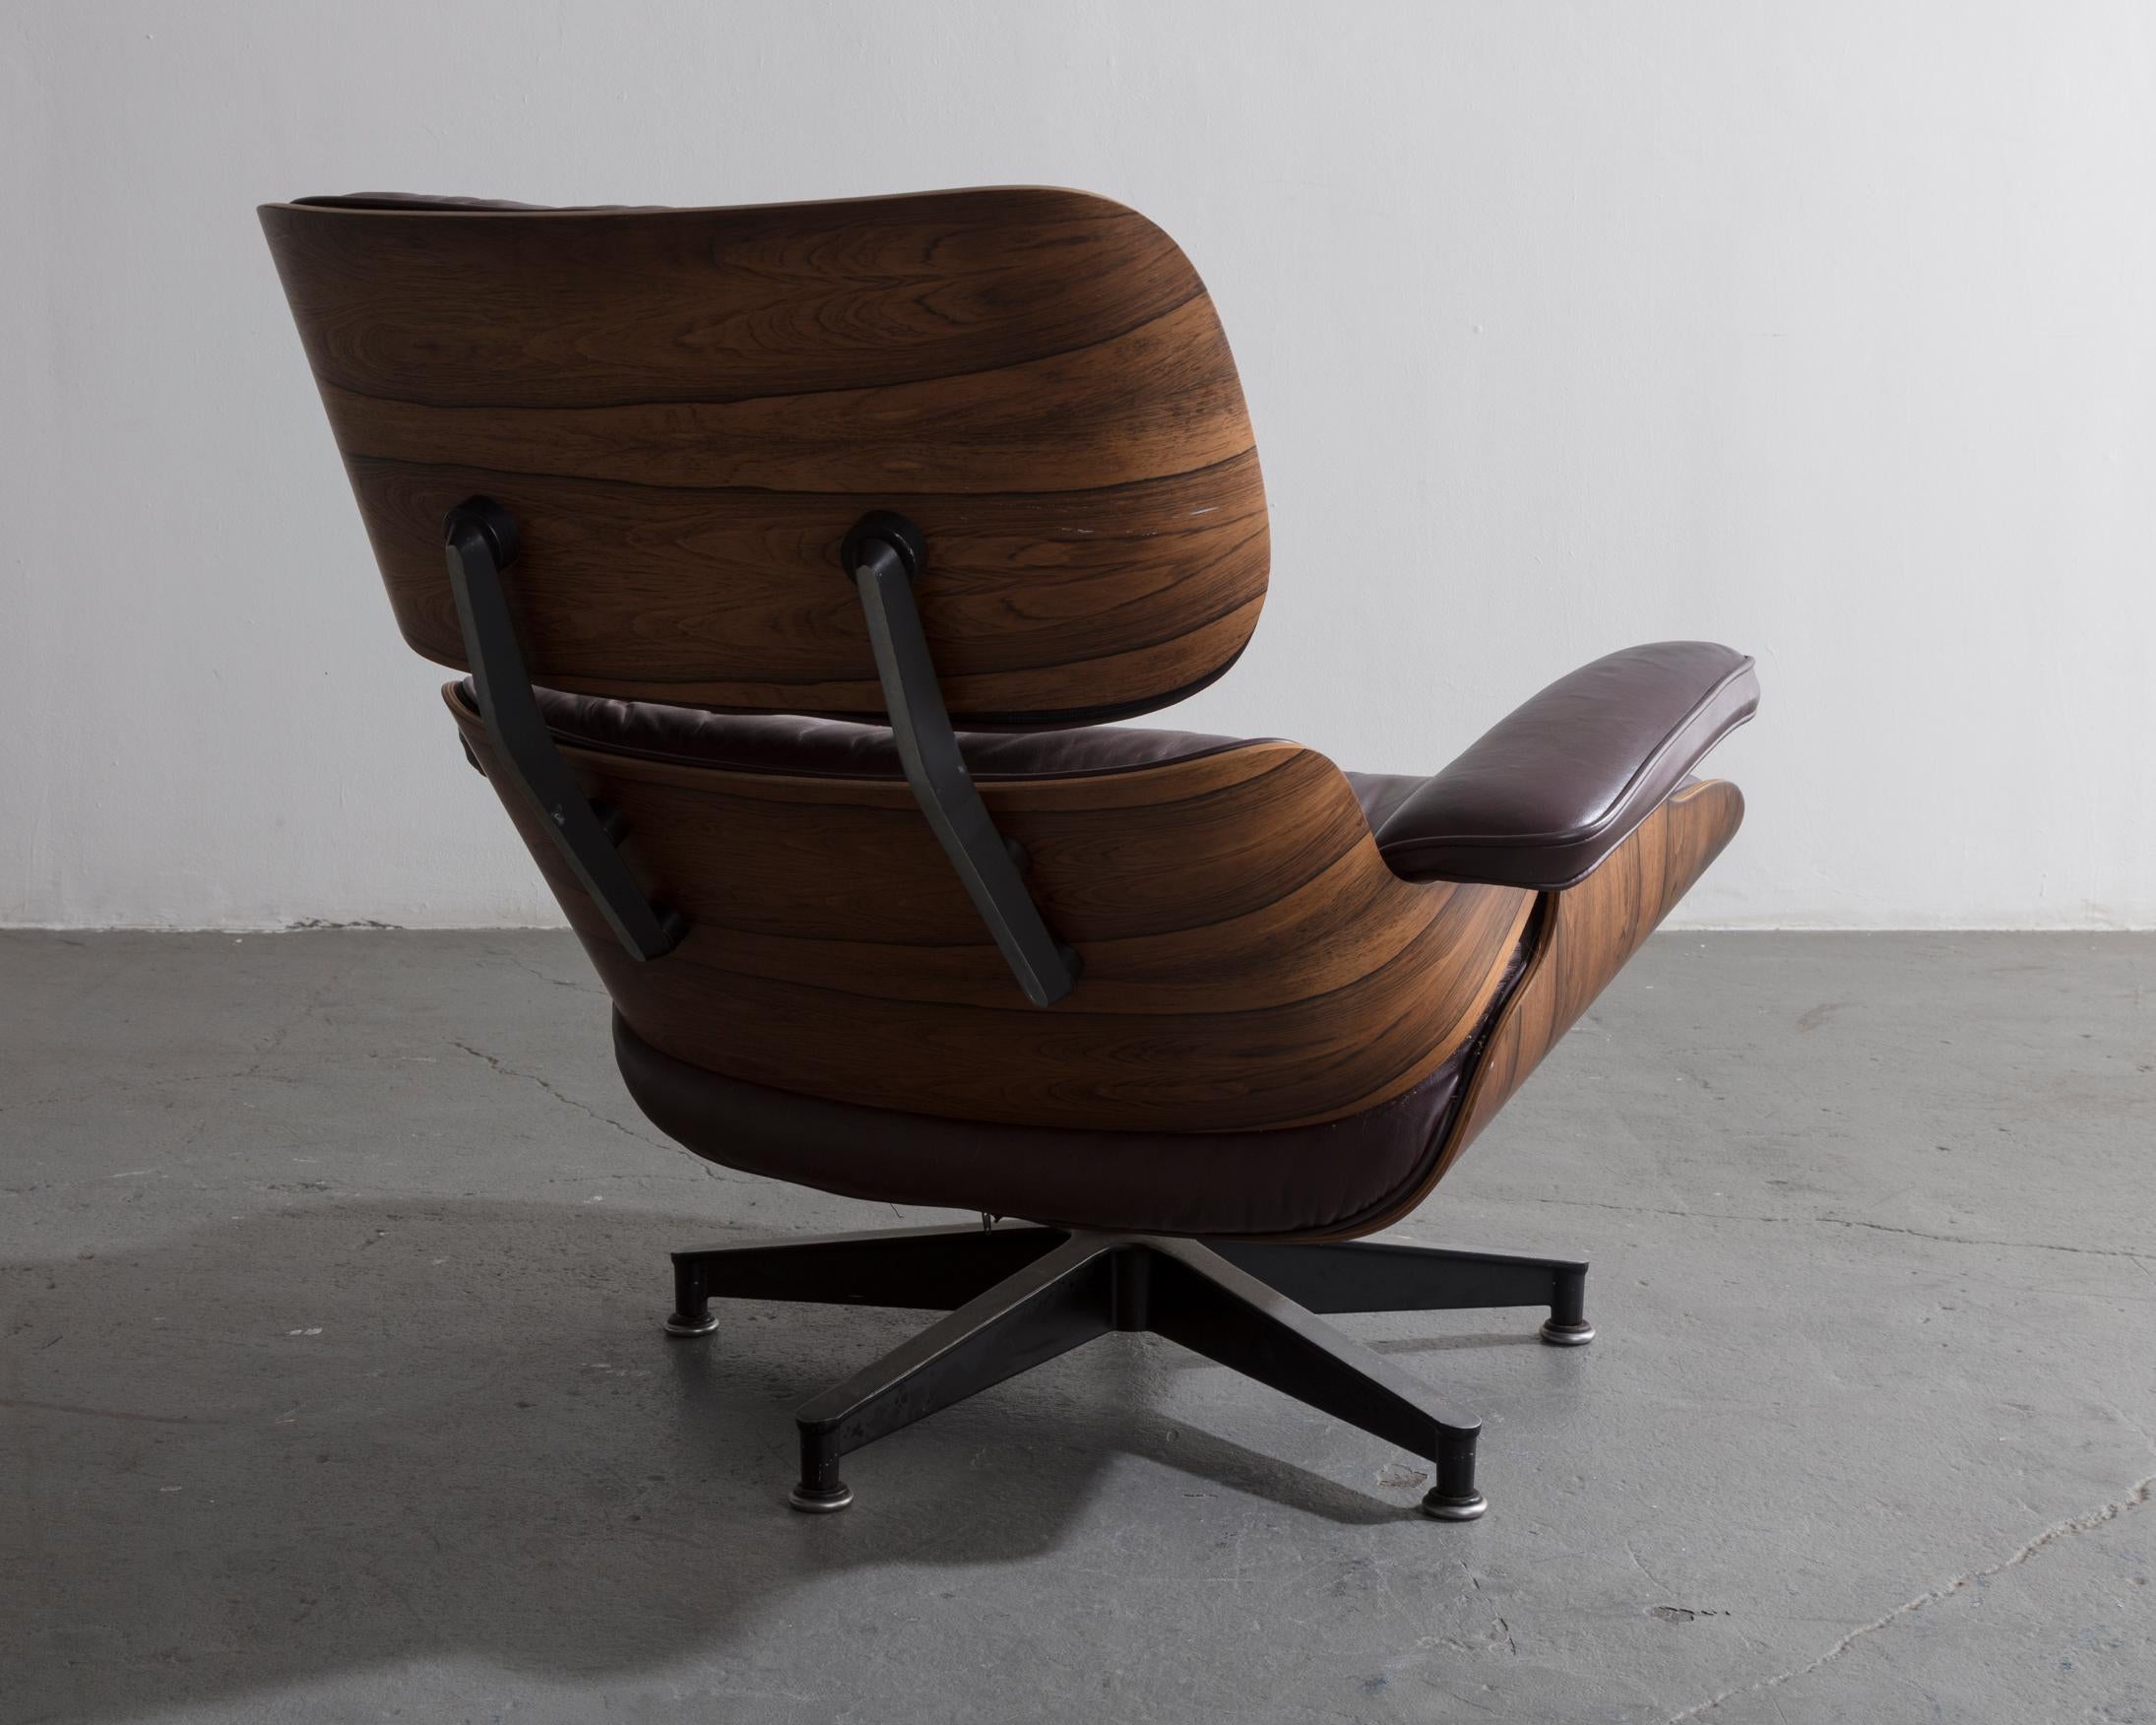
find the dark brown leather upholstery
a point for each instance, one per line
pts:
(1290, 1180)
(418, 203)
(1556, 786)
(838, 747)
(1380, 793)
(1537, 802)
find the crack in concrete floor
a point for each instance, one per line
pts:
(2104, 1251)
(1131, 1514)
(711, 1170)
(2136, 1498)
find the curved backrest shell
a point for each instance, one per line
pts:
(685, 410)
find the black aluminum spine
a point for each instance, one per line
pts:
(479, 542)
(885, 553)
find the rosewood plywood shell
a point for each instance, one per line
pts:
(1589, 932)
(1582, 938)
(1250, 959)
(686, 409)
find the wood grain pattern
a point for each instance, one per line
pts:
(1590, 931)
(1582, 938)
(1250, 961)
(713, 605)
(687, 409)
(528, 308)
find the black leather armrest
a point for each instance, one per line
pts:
(1557, 784)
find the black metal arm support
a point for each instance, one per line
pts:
(480, 542)
(885, 552)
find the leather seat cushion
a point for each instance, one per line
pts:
(838, 747)
(1537, 802)
(1327, 1178)
(791, 743)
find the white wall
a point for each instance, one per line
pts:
(1824, 329)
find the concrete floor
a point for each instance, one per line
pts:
(334, 1387)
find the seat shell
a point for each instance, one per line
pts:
(1250, 961)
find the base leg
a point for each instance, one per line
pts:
(1366, 1275)
(1200, 1299)
(938, 1269)
(1062, 1300)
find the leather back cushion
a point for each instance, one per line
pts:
(685, 410)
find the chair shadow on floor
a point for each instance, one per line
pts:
(360, 1432)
